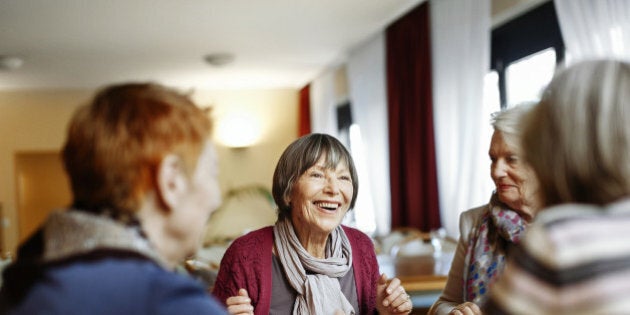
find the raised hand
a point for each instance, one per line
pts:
(391, 297)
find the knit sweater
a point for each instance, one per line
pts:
(248, 264)
(574, 259)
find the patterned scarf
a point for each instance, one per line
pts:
(486, 250)
(318, 290)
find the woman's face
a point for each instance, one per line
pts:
(515, 182)
(320, 198)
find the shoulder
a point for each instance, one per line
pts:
(559, 232)
(564, 247)
(474, 213)
(362, 246)
(471, 218)
(248, 253)
(136, 275)
(251, 242)
(358, 238)
(178, 294)
(109, 272)
(120, 284)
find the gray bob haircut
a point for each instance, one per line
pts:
(302, 154)
(577, 139)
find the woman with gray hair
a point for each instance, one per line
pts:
(487, 232)
(308, 263)
(575, 258)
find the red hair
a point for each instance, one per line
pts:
(116, 143)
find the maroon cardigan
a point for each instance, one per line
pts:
(247, 264)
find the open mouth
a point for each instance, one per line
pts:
(328, 206)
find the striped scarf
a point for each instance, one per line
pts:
(318, 290)
(486, 249)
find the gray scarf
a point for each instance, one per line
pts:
(318, 291)
(71, 233)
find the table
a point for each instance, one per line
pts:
(424, 277)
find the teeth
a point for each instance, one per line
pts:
(327, 205)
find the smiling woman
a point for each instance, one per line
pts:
(308, 263)
(487, 232)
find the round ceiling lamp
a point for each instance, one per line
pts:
(219, 59)
(8, 62)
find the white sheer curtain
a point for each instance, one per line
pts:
(595, 29)
(460, 32)
(325, 97)
(366, 80)
(324, 104)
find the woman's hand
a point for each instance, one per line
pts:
(391, 297)
(240, 304)
(466, 308)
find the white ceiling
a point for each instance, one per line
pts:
(276, 43)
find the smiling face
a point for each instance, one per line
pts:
(320, 199)
(514, 180)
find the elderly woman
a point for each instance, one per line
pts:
(143, 174)
(575, 257)
(488, 231)
(308, 263)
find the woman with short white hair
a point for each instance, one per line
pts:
(575, 258)
(487, 232)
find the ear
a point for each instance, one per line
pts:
(171, 181)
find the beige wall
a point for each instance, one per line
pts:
(275, 112)
(36, 121)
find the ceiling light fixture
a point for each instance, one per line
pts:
(8, 62)
(219, 59)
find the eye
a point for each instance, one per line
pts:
(512, 159)
(316, 174)
(346, 178)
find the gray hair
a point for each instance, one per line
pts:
(299, 156)
(508, 122)
(578, 137)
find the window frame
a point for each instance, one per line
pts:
(522, 37)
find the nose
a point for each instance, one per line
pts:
(498, 169)
(332, 185)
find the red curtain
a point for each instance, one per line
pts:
(304, 112)
(412, 149)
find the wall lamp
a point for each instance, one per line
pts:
(238, 129)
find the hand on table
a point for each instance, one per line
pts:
(391, 297)
(466, 308)
(240, 304)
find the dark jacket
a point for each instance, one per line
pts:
(82, 271)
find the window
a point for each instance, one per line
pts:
(350, 136)
(525, 52)
(526, 78)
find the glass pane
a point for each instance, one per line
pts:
(364, 219)
(527, 77)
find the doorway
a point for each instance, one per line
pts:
(42, 186)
